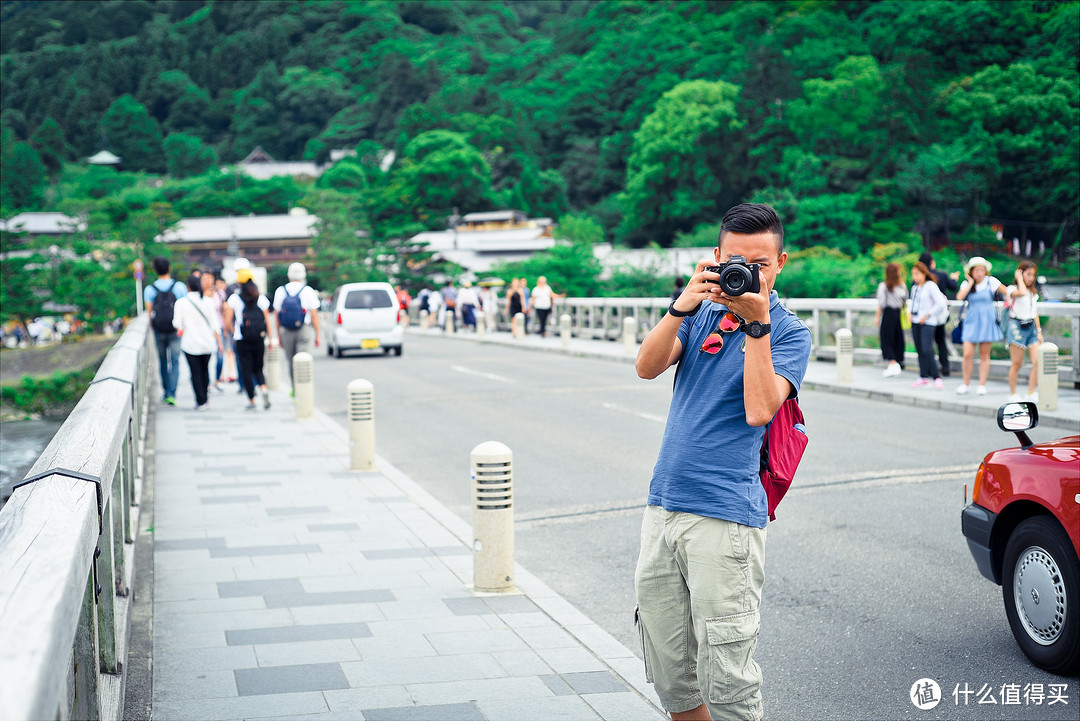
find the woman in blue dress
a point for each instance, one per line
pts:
(979, 289)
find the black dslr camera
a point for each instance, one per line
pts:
(737, 276)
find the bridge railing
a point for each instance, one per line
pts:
(67, 550)
(601, 318)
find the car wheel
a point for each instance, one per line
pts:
(1041, 588)
(397, 350)
(329, 349)
(337, 351)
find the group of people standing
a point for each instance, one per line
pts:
(924, 308)
(467, 306)
(204, 317)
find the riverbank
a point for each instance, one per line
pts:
(48, 380)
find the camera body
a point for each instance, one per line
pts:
(737, 276)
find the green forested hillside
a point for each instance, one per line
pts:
(863, 122)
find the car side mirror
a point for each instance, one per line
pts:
(1018, 418)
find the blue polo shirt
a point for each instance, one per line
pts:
(710, 457)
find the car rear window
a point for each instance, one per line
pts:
(368, 299)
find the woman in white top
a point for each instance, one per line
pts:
(543, 300)
(891, 297)
(929, 309)
(194, 318)
(1024, 333)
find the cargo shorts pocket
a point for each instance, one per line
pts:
(643, 639)
(734, 675)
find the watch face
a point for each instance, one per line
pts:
(755, 329)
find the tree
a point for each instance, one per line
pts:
(51, 145)
(682, 170)
(24, 176)
(133, 135)
(185, 155)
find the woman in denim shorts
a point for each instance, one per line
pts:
(1024, 334)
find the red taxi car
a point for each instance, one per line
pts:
(1023, 528)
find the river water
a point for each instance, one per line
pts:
(21, 442)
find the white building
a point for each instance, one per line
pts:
(479, 240)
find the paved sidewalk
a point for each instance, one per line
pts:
(867, 381)
(287, 586)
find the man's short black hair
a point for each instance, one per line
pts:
(751, 218)
(926, 259)
(161, 265)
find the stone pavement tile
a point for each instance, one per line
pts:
(625, 706)
(397, 581)
(393, 553)
(306, 652)
(296, 511)
(431, 608)
(529, 620)
(384, 629)
(204, 659)
(170, 642)
(441, 712)
(188, 561)
(393, 672)
(558, 686)
(293, 634)
(471, 606)
(329, 527)
(560, 708)
(600, 642)
(207, 500)
(570, 660)
(547, 637)
(508, 605)
(211, 605)
(285, 567)
(595, 682)
(234, 709)
(234, 589)
(352, 700)
(289, 679)
(632, 670)
(188, 683)
(520, 688)
(488, 641)
(164, 592)
(187, 544)
(222, 621)
(346, 613)
(283, 550)
(237, 484)
(521, 663)
(330, 598)
(412, 646)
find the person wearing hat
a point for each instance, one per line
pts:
(247, 318)
(297, 306)
(981, 330)
(468, 301)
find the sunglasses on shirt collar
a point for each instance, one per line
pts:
(729, 323)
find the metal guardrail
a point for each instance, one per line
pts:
(67, 549)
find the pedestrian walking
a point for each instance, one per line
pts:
(543, 300)
(160, 298)
(195, 322)
(929, 309)
(297, 306)
(891, 299)
(1024, 334)
(226, 369)
(701, 568)
(489, 307)
(449, 301)
(515, 303)
(947, 284)
(980, 330)
(467, 303)
(247, 318)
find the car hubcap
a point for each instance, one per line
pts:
(1039, 591)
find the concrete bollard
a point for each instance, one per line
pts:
(449, 321)
(1048, 377)
(361, 425)
(304, 384)
(844, 355)
(273, 368)
(425, 323)
(519, 326)
(629, 334)
(481, 323)
(492, 470)
(565, 323)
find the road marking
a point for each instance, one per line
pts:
(489, 376)
(577, 514)
(631, 411)
(895, 478)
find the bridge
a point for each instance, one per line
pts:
(230, 565)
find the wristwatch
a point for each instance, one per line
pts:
(673, 312)
(756, 329)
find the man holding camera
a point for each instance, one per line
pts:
(700, 573)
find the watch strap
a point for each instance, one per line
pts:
(673, 311)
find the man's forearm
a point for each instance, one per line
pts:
(763, 390)
(654, 355)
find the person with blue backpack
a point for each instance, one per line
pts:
(297, 305)
(160, 297)
(740, 358)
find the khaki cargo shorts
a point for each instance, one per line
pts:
(698, 586)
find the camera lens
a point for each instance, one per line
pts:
(735, 279)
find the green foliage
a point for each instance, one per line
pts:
(824, 272)
(185, 155)
(24, 176)
(570, 268)
(133, 135)
(55, 394)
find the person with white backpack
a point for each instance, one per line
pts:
(297, 307)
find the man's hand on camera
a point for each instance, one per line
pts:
(699, 289)
(749, 306)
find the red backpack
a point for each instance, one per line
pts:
(783, 448)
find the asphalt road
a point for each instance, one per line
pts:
(870, 586)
